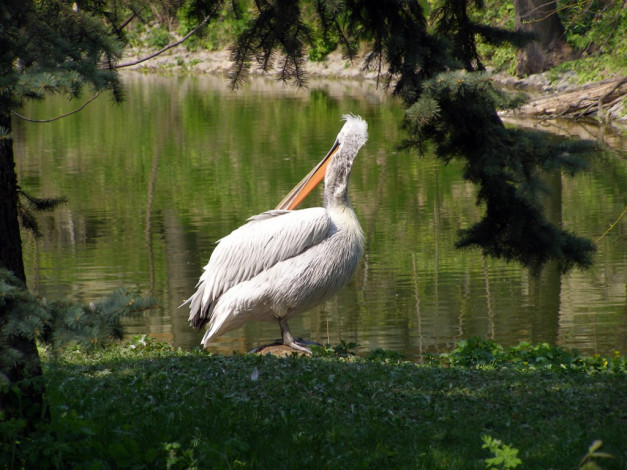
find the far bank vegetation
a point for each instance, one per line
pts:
(585, 79)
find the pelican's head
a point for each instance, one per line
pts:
(335, 167)
(352, 136)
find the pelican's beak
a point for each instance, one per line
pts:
(308, 183)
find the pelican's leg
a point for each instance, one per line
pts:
(288, 339)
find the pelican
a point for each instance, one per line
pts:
(284, 261)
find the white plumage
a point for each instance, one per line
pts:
(283, 262)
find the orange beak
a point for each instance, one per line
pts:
(308, 183)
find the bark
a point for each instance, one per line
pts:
(26, 400)
(10, 241)
(549, 48)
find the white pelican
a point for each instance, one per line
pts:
(283, 262)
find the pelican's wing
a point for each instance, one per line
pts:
(265, 240)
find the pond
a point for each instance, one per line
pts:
(153, 182)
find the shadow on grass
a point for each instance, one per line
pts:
(145, 406)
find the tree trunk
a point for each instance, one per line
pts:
(26, 400)
(10, 241)
(549, 48)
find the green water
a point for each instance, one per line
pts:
(154, 182)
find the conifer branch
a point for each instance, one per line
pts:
(80, 108)
(24, 211)
(168, 47)
(42, 204)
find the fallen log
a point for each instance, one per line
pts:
(603, 100)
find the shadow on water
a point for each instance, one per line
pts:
(154, 182)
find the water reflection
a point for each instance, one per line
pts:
(152, 183)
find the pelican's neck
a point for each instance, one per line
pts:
(351, 138)
(336, 182)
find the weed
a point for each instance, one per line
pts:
(322, 47)
(505, 456)
(475, 352)
(587, 462)
(383, 355)
(344, 349)
(158, 37)
(481, 353)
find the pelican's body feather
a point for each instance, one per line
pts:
(283, 262)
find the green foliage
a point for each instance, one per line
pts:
(474, 30)
(596, 26)
(229, 23)
(592, 68)
(344, 349)
(349, 349)
(158, 37)
(321, 47)
(501, 56)
(383, 355)
(475, 352)
(508, 164)
(502, 59)
(28, 205)
(23, 316)
(57, 325)
(93, 325)
(60, 324)
(596, 29)
(278, 26)
(142, 404)
(480, 353)
(505, 456)
(587, 462)
(68, 53)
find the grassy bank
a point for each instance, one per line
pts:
(142, 405)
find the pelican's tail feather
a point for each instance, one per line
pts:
(198, 313)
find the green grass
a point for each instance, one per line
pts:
(142, 405)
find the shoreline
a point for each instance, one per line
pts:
(336, 67)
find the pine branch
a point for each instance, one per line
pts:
(499, 36)
(25, 214)
(241, 56)
(23, 316)
(456, 112)
(28, 221)
(278, 26)
(42, 204)
(96, 324)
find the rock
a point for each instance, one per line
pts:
(280, 350)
